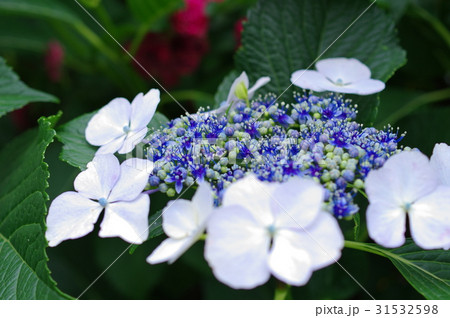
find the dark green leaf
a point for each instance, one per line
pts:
(224, 88)
(155, 223)
(14, 94)
(23, 261)
(157, 121)
(49, 9)
(281, 37)
(149, 12)
(428, 271)
(76, 150)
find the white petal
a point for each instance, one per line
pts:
(252, 194)
(132, 181)
(70, 216)
(170, 250)
(288, 261)
(312, 80)
(179, 219)
(296, 203)
(127, 220)
(112, 146)
(203, 202)
(323, 240)
(259, 83)
(404, 178)
(237, 248)
(232, 94)
(108, 123)
(348, 70)
(365, 87)
(440, 162)
(430, 220)
(143, 108)
(133, 138)
(99, 178)
(386, 224)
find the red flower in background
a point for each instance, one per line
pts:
(54, 57)
(169, 58)
(238, 28)
(192, 20)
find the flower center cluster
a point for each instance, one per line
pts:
(313, 137)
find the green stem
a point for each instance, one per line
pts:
(282, 291)
(95, 41)
(364, 247)
(409, 107)
(435, 23)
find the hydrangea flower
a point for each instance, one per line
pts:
(240, 91)
(407, 184)
(120, 126)
(270, 228)
(104, 185)
(340, 75)
(316, 136)
(184, 222)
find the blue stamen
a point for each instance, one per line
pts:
(103, 202)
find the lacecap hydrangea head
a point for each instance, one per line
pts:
(315, 137)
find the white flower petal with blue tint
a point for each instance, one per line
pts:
(127, 220)
(340, 75)
(237, 248)
(170, 250)
(241, 80)
(430, 220)
(252, 194)
(121, 125)
(99, 178)
(71, 216)
(254, 214)
(288, 260)
(184, 222)
(440, 162)
(133, 178)
(103, 185)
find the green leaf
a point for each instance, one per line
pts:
(23, 261)
(76, 151)
(14, 94)
(281, 37)
(49, 9)
(155, 223)
(157, 121)
(428, 271)
(149, 12)
(224, 88)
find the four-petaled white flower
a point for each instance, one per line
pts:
(239, 91)
(265, 228)
(184, 222)
(340, 75)
(407, 184)
(105, 184)
(120, 126)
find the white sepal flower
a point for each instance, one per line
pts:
(240, 91)
(266, 228)
(340, 75)
(440, 162)
(105, 184)
(120, 126)
(408, 185)
(184, 222)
